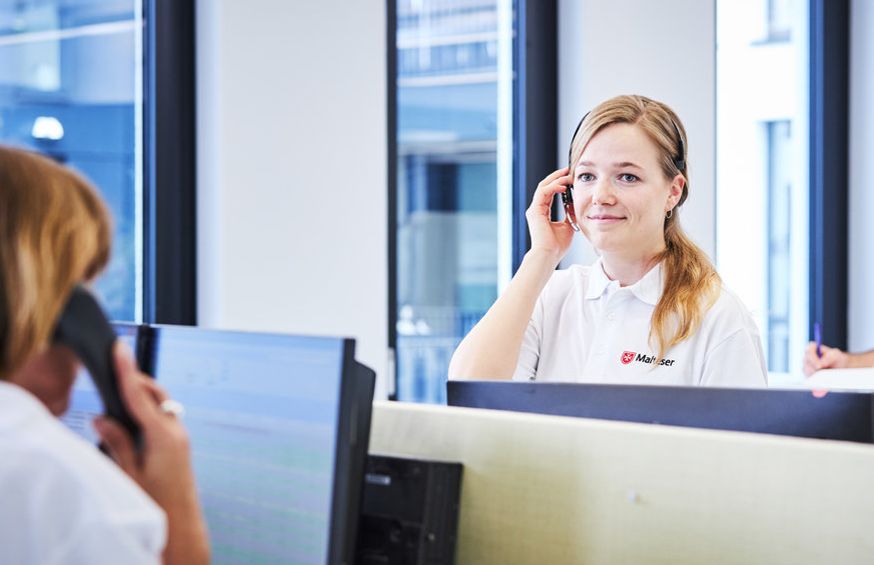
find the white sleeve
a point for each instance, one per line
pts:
(738, 362)
(529, 353)
(92, 513)
(129, 541)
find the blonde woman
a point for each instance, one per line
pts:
(652, 309)
(62, 500)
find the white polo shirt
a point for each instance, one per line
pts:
(586, 328)
(63, 502)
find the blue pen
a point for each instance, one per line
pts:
(817, 336)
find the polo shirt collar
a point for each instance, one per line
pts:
(648, 289)
(598, 281)
(19, 406)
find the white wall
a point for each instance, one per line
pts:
(292, 172)
(662, 49)
(861, 252)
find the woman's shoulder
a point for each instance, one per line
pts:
(573, 275)
(729, 313)
(563, 282)
(56, 472)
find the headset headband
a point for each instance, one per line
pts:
(679, 160)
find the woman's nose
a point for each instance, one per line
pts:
(602, 192)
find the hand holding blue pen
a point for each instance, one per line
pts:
(818, 356)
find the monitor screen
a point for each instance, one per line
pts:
(85, 403)
(268, 417)
(837, 415)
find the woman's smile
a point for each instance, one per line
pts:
(605, 219)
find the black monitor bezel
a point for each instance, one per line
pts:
(356, 402)
(844, 416)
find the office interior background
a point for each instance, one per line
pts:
(361, 167)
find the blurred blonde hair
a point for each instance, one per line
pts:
(54, 234)
(692, 284)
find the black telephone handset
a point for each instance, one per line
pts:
(568, 200)
(84, 328)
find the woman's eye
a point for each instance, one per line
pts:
(628, 177)
(585, 177)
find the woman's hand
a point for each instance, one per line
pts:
(553, 238)
(163, 466)
(832, 358)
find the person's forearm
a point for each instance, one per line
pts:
(187, 538)
(491, 349)
(860, 360)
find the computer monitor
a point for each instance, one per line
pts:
(837, 415)
(279, 426)
(85, 402)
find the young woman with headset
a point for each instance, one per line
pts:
(652, 309)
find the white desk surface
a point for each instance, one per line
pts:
(842, 379)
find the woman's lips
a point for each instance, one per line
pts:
(605, 218)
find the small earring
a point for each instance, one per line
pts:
(669, 214)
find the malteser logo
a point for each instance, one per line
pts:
(629, 356)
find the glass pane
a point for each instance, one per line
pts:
(453, 65)
(762, 167)
(70, 83)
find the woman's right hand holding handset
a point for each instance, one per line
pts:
(547, 236)
(163, 466)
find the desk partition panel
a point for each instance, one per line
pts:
(552, 489)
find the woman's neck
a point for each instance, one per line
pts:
(629, 269)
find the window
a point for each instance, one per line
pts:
(779, 19)
(70, 87)
(762, 171)
(89, 83)
(779, 233)
(453, 195)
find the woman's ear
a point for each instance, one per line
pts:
(677, 185)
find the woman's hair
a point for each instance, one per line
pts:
(691, 282)
(54, 234)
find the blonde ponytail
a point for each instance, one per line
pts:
(690, 289)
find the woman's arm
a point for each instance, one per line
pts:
(163, 466)
(737, 362)
(491, 349)
(861, 360)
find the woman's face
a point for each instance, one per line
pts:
(49, 376)
(620, 193)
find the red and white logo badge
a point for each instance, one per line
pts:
(627, 357)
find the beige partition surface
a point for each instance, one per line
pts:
(550, 489)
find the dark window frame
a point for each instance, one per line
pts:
(829, 162)
(535, 109)
(169, 118)
(392, 152)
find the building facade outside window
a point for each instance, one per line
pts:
(762, 169)
(451, 69)
(71, 88)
